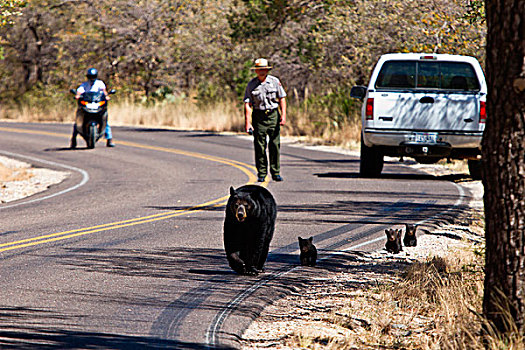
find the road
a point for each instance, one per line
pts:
(127, 252)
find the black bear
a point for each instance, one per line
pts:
(393, 241)
(308, 254)
(248, 228)
(410, 239)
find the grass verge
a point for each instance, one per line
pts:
(313, 125)
(431, 305)
(427, 297)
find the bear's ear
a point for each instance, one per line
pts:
(300, 239)
(232, 191)
(311, 239)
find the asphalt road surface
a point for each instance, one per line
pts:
(127, 252)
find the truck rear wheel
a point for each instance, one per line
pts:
(372, 161)
(474, 168)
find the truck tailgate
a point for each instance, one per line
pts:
(426, 111)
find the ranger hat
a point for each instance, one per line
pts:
(261, 63)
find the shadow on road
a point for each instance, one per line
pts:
(50, 338)
(389, 176)
(60, 149)
(182, 133)
(172, 272)
(210, 208)
(169, 263)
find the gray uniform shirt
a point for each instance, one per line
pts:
(264, 95)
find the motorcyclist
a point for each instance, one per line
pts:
(94, 85)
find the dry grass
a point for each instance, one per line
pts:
(9, 174)
(185, 114)
(318, 128)
(430, 298)
(429, 307)
(28, 113)
(436, 304)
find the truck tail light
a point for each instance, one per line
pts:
(482, 112)
(369, 112)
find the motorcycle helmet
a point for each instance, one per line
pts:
(92, 74)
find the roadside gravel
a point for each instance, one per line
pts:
(19, 179)
(339, 292)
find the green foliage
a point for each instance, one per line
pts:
(258, 19)
(242, 78)
(208, 93)
(50, 103)
(475, 11)
(336, 106)
(9, 9)
(43, 96)
(164, 94)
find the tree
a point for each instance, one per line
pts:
(153, 47)
(54, 41)
(32, 46)
(9, 9)
(504, 167)
(138, 39)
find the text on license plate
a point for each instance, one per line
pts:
(423, 137)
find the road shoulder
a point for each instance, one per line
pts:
(342, 293)
(20, 179)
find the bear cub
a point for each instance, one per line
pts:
(393, 241)
(248, 228)
(410, 239)
(308, 255)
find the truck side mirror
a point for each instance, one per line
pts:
(358, 92)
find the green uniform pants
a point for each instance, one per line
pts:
(266, 124)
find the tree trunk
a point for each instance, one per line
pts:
(504, 167)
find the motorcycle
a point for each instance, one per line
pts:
(92, 116)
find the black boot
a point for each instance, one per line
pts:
(109, 143)
(73, 142)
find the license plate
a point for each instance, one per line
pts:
(92, 105)
(423, 137)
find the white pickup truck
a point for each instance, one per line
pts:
(425, 106)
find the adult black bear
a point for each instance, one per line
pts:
(248, 228)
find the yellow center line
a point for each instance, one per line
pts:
(241, 166)
(245, 168)
(33, 132)
(53, 237)
(41, 239)
(113, 225)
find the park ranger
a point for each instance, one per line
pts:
(263, 98)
